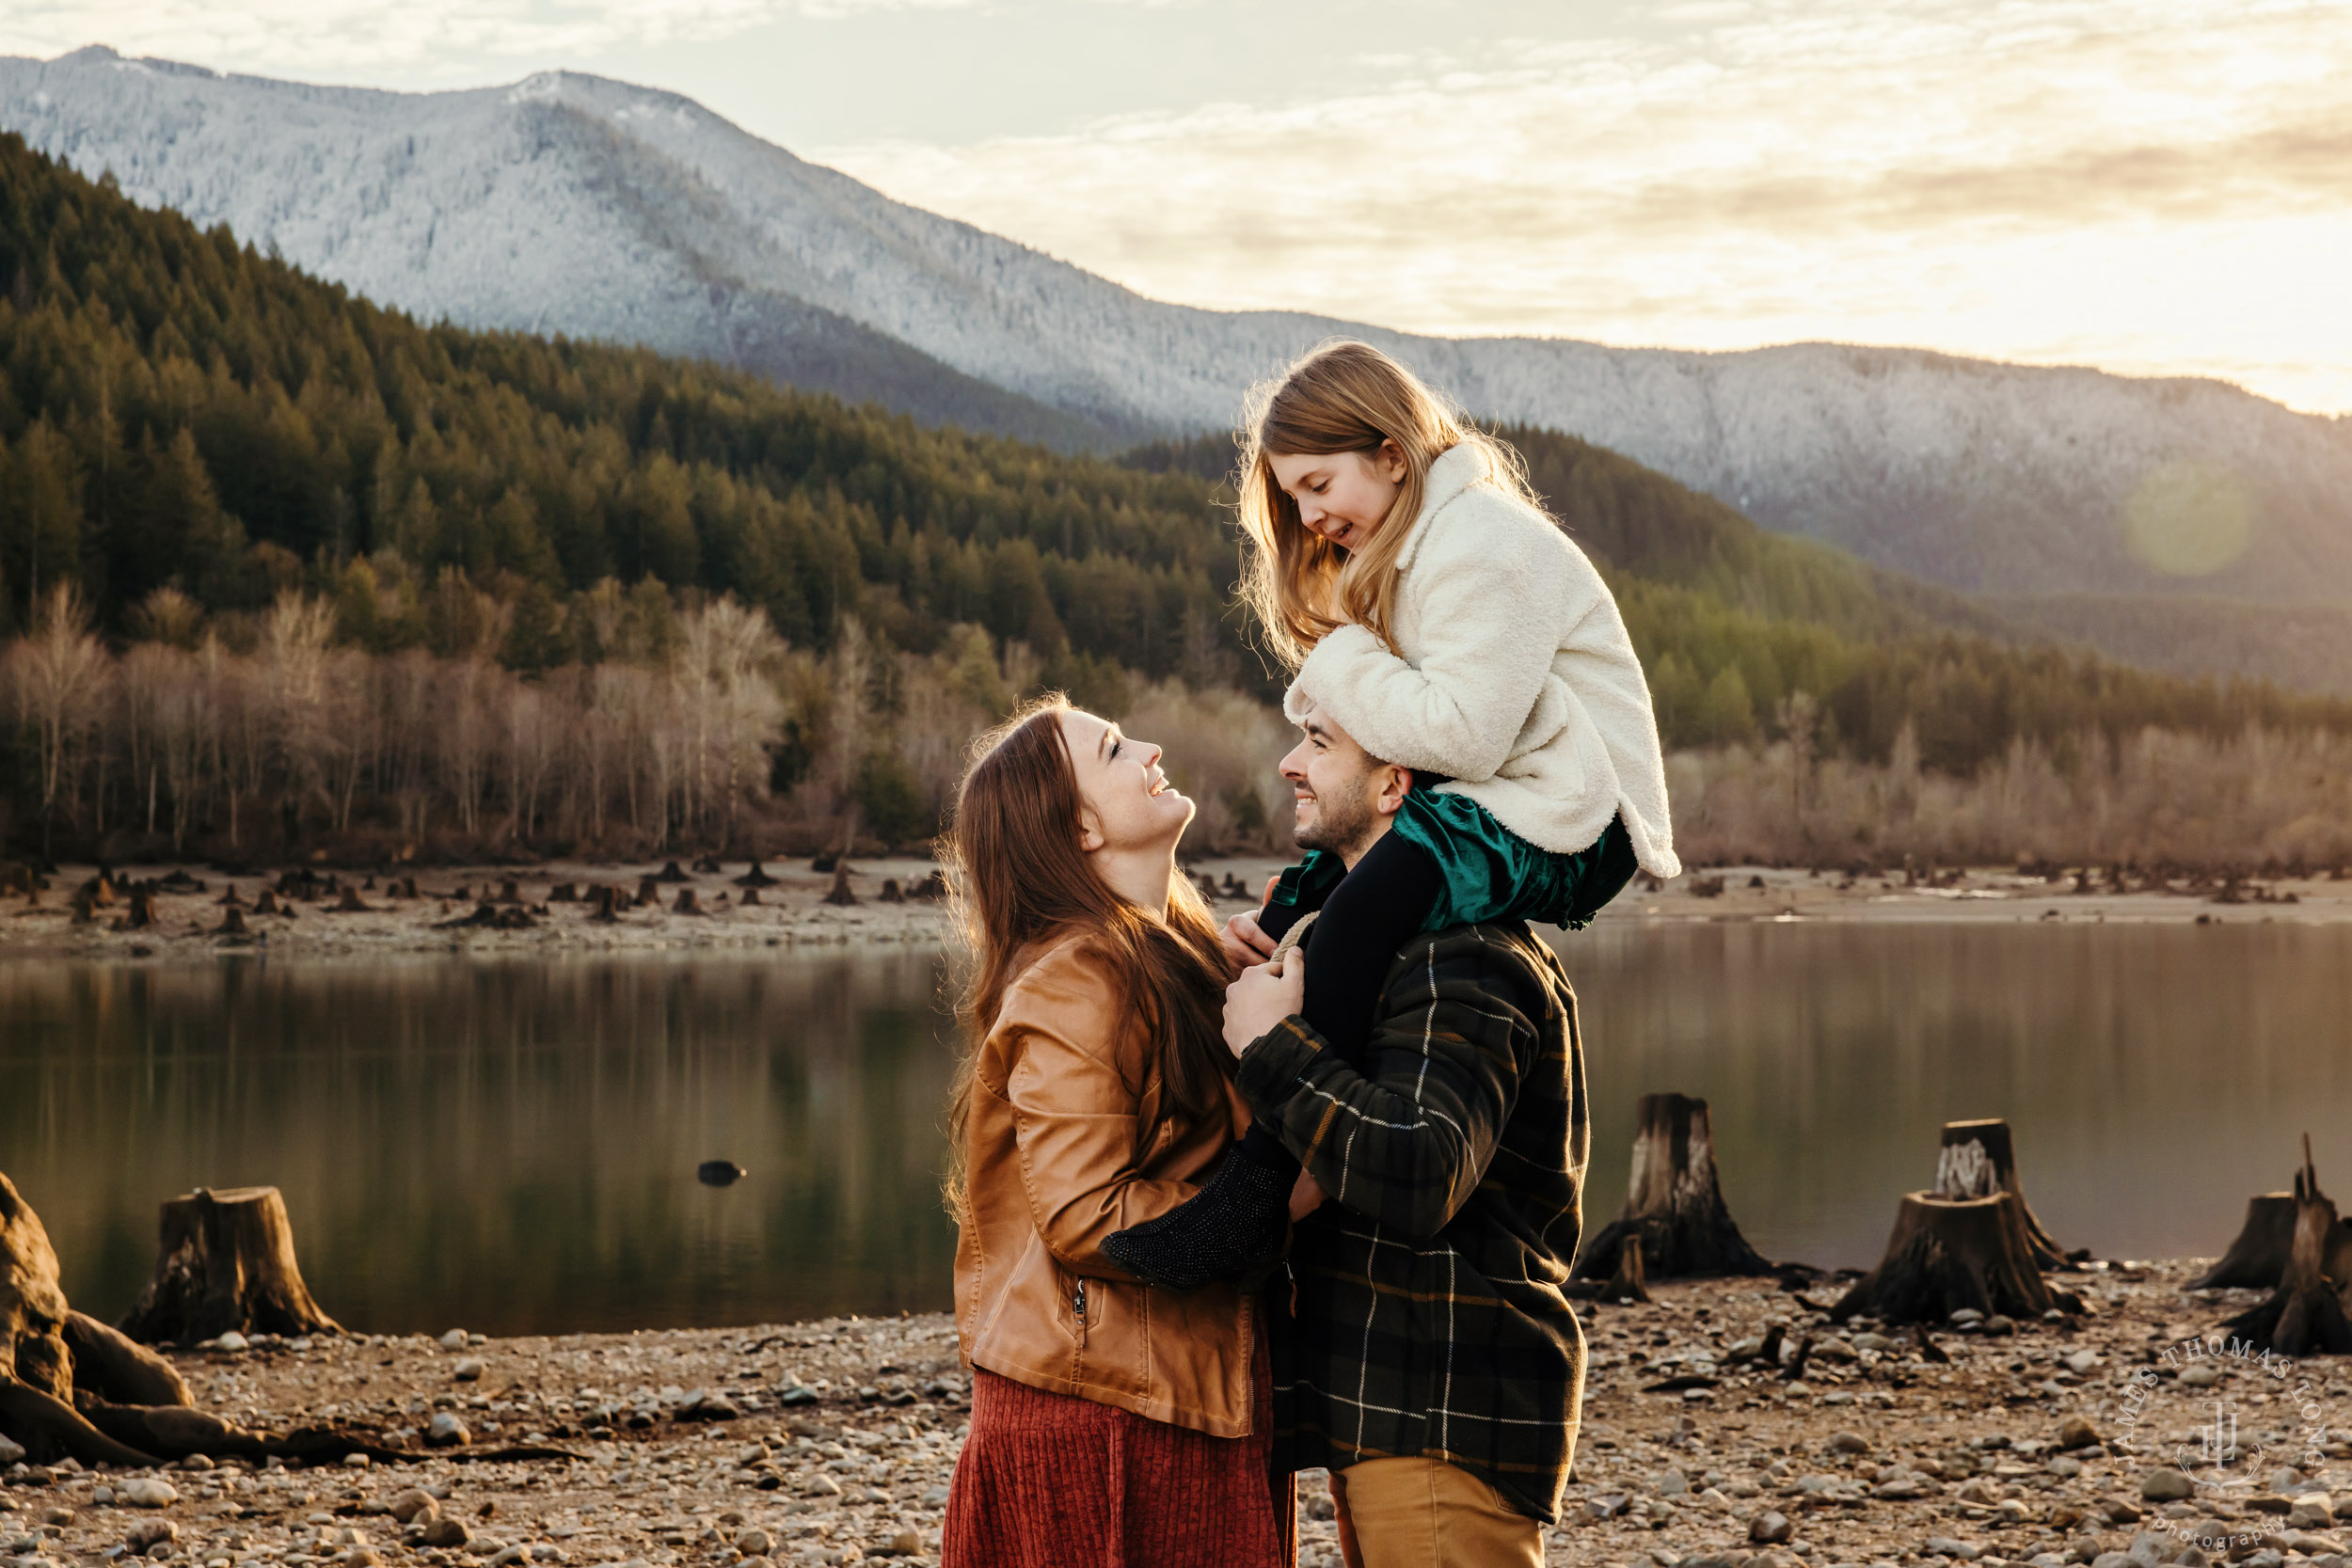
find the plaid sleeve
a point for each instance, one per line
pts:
(1406, 1141)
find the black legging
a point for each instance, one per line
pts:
(1375, 908)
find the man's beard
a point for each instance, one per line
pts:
(1343, 821)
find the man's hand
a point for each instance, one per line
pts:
(1245, 943)
(1261, 998)
(1307, 1195)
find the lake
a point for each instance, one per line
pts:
(510, 1146)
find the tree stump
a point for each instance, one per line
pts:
(755, 877)
(751, 896)
(670, 872)
(510, 892)
(1628, 1281)
(2258, 1258)
(1979, 1159)
(563, 892)
(141, 915)
(232, 924)
(2307, 1313)
(891, 891)
(267, 903)
(1674, 1202)
(604, 905)
(841, 894)
(687, 903)
(648, 892)
(352, 903)
(226, 1261)
(1949, 1253)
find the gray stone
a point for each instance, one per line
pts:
(1945, 1545)
(1848, 1441)
(446, 1533)
(146, 1492)
(414, 1504)
(11, 1453)
(467, 1370)
(2076, 1432)
(1769, 1528)
(147, 1532)
(1671, 1483)
(820, 1485)
(752, 1542)
(447, 1432)
(2165, 1486)
(232, 1342)
(454, 1340)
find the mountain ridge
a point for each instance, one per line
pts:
(575, 204)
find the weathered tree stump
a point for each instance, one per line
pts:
(352, 903)
(267, 903)
(1674, 1202)
(563, 892)
(648, 892)
(226, 1261)
(1949, 1253)
(751, 896)
(708, 866)
(2258, 1258)
(755, 877)
(1630, 1281)
(891, 891)
(604, 905)
(670, 873)
(840, 893)
(2308, 1314)
(510, 892)
(687, 903)
(141, 914)
(932, 886)
(1979, 1159)
(232, 924)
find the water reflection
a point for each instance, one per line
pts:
(511, 1144)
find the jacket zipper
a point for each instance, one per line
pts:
(1078, 1305)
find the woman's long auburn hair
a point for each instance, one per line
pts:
(1017, 880)
(1343, 396)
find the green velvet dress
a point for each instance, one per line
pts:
(1489, 872)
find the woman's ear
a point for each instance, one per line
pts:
(1089, 830)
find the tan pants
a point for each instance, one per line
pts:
(1426, 1514)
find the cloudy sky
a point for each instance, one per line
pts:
(2154, 186)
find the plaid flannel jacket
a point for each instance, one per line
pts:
(1429, 1317)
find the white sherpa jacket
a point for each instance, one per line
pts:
(1518, 679)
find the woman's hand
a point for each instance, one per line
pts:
(1261, 998)
(1245, 943)
(1307, 1195)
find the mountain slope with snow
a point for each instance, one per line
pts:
(575, 204)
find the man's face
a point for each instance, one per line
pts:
(1338, 790)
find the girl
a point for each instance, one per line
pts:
(1111, 1422)
(1406, 571)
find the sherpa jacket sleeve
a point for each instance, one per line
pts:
(1406, 1141)
(1075, 1110)
(1492, 593)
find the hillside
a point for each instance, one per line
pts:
(190, 431)
(574, 204)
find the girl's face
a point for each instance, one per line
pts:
(1126, 803)
(1343, 496)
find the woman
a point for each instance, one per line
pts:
(1111, 1422)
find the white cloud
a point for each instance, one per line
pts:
(2156, 185)
(314, 38)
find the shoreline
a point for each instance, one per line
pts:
(833, 1440)
(792, 911)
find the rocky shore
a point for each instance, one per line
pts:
(2045, 1444)
(510, 909)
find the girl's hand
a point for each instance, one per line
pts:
(1245, 943)
(1307, 1195)
(1261, 998)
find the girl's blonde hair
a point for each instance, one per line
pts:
(1344, 396)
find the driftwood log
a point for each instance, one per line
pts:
(1674, 1202)
(2309, 1313)
(1979, 1159)
(226, 1261)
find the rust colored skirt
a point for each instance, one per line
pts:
(1052, 1481)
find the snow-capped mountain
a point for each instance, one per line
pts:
(575, 204)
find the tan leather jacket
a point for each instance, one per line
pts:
(1065, 1084)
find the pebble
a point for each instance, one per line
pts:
(2165, 1486)
(821, 1487)
(2311, 1510)
(412, 1503)
(1672, 1483)
(11, 1453)
(146, 1492)
(468, 1371)
(1848, 1441)
(146, 1532)
(752, 1542)
(232, 1342)
(447, 1431)
(2076, 1432)
(454, 1340)
(446, 1533)
(1769, 1528)
(1944, 1546)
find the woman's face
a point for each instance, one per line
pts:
(1343, 496)
(1126, 803)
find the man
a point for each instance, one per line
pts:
(1435, 1366)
